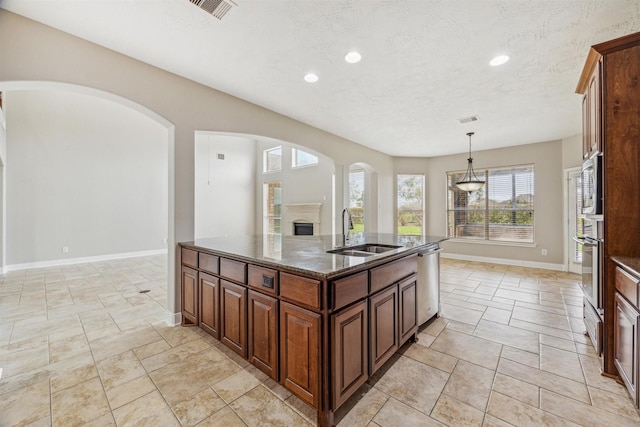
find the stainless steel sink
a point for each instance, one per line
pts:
(367, 249)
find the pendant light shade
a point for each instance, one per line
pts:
(470, 182)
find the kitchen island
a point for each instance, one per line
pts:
(317, 316)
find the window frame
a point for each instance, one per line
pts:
(294, 157)
(487, 210)
(422, 202)
(265, 155)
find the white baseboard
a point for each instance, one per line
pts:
(173, 319)
(506, 261)
(81, 260)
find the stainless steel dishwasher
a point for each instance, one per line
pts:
(428, 283)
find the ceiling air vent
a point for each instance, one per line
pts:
(468, 119)
(217, 8)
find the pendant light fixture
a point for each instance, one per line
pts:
(470, 182)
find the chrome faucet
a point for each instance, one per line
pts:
(345, 230)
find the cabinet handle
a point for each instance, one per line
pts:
(267, 281)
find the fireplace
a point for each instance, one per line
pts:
(303, 229)
(301, 219)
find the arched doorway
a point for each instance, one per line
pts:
(145, 114)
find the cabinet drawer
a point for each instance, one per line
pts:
(393, 272)
(208, 263)
(300, 289)
(627, 285)
(233, 270)
(593, 324)
(264, 279)
(190, 257)
(349, 289)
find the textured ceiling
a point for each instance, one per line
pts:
(425, 63)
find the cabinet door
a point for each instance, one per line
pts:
(350, 358)
(189, 296)
(626, 344)
(233, 323)
(594, 111)
(263, 333)
(585, 127)
(300, 352)
(209, 304)
(383, 327)
(408, 314)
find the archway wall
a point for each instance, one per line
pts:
(30, 51)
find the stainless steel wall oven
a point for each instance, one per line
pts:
(591, 178)
(592, 283)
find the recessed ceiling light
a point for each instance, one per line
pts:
(310, 78)
(499, 60)
(353, 57)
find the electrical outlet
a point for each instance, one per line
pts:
(544, 252)
(65, 249)
(164, 241)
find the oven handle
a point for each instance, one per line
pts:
(584, 241)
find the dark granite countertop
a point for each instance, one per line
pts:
(308, 254)
(630, 264)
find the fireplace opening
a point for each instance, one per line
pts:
(303, 229)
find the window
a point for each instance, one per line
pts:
(502, 210)
(301, 158)
(356, 198)
(272, 159)
(272, 208)
(410, 204)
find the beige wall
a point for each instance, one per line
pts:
(82, 173)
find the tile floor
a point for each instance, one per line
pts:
(80, 345)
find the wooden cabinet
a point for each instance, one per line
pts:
(383, 327)
(595, 136)
(350, 351)
(626, 344)
(585, 127)
(300, 352)
(263, 333)
(348, 289)
(209, 319)
(189, 296)
(591, 113)
(408, 310)
(319, 337)
(233, 320)
(617, 62)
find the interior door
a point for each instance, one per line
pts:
(573, 203)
